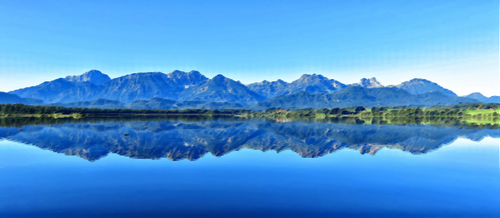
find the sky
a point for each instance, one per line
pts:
(454, 43)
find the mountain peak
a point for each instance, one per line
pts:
(312, 77)
(189, 79)
(176, 72)
(95, 77)
(370, 83)
(419, 80)
(221, 89)
(194, 72)
(420, 86)
(315, 83)
(180, 72)
(476, 93)
(219, 77)
(481, 97)
(484, 99)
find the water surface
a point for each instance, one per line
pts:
(247, 168)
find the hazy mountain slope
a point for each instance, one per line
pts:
(99, 103)
(480, 97)
(221, 89)
(7, 98)
(359, 96)
(159, 103)
(420, 86)
(153, 103)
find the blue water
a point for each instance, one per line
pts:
(46, 170)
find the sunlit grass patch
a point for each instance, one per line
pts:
(479, 120)
(482, 111)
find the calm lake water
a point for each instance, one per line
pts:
(247, 168)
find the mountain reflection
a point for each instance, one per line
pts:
(185, 139)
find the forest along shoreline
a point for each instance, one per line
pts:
(471, 112)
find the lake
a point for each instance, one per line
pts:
(229, 167)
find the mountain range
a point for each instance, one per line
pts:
(181, 90)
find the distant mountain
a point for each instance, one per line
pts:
(99, 103)
(6, 98)
(221, 89)
(312, 83)
(153, 103)
(160, 103)
(360, 96)
(484, 99)
(420, 86)
(94, 77)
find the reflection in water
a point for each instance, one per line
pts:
(191, 139)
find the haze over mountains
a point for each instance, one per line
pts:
(181, 90)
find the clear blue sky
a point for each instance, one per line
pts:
(454, 43)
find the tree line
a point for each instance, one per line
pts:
(19, 109)
(358, 111)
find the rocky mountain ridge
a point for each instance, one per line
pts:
(179, 86)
